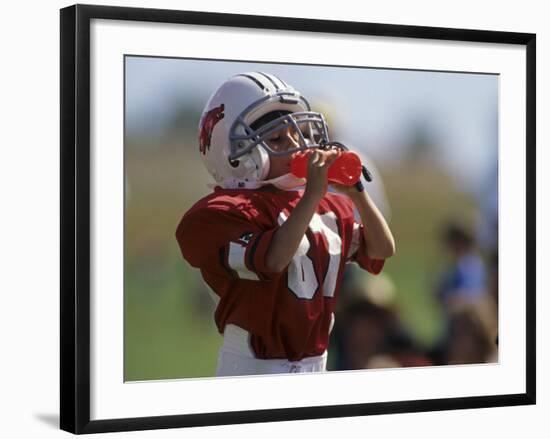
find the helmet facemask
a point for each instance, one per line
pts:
(311, 128)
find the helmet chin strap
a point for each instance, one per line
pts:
(284, 182)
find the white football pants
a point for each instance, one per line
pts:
(237, 358)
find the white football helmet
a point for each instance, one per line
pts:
(240, 115)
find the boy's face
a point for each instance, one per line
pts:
(282, 140)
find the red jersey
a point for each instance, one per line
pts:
(289, 314)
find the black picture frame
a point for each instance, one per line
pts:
(75, 217)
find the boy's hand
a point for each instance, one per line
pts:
(317, 169)
(350, 191)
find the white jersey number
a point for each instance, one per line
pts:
(302, 279)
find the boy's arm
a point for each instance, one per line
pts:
(289, 235)
(379, 240)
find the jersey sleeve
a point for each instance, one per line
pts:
(357, 252)
(225, 242)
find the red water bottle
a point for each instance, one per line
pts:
(345, 170)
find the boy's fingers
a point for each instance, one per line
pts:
(323, 159)
(328, 158)
(333, 156)
(319, 160)
(314, 157)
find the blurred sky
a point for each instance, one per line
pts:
(375, 111)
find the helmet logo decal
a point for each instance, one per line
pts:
(207, 124)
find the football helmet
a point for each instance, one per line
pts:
(239, 117)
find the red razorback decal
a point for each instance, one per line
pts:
(207, 124)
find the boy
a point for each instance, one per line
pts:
(272, 254)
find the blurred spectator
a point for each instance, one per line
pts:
(368, 333)
(366, 327)
(471, 336)
(466, 279)
(404, 350)
(469, 309)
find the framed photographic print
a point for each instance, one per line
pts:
(280, 218)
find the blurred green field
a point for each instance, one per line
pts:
(168, 323)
